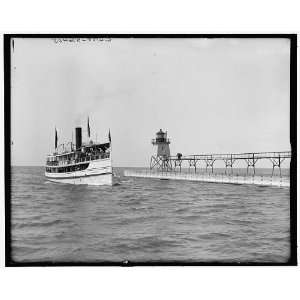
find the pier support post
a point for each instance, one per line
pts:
(177, 162)
(229, 161)
(193, 163)
(210, 163)
(251, 161)
(276, 161)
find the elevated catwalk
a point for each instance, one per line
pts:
(276, 158)
(217, 178)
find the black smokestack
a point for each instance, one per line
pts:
(78, 137)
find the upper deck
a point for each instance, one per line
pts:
(86, 153)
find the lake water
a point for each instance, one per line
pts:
(147, 220)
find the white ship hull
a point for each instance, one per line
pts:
(99, 172)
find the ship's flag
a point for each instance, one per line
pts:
(56, 138)
(109, 137)
(88, 128)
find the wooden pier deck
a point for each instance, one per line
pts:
(216, 178)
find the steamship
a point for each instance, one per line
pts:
(83, 163)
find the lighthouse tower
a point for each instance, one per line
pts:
(161, 160)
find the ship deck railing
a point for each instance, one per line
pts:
(66, 163)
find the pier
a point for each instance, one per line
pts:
(163, 161)
(216, 178)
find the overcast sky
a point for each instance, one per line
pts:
(211, 95)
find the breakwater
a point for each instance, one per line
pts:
(216, 178)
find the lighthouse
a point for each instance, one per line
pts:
(161, 160)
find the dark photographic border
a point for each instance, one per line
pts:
(293, 141)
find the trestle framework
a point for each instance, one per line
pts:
(173, 163)
(162, 163)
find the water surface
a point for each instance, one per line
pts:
(147, 220)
